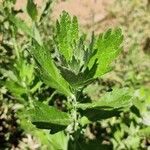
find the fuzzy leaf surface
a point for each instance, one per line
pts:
(48, 117)
(111, 104)
(117, 99)
(66, 35)
(48, 71)
(78, 80)
(108, 46)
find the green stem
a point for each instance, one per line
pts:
(75, 123)
(72, 106)
(74, 146)
(15, 44)
(51, 97)
(75, 113)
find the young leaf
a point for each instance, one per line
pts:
(32, 10)
(78, 80)
(48, 117)
(49, 72)
(108, 46)
(24, 71)
(66, 35)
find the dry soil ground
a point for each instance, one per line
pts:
(92, 14)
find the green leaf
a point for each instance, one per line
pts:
(42, 136)
(15, 88)
(9, 74)
(66, 35)
(145, 132)
(24, 71)
(59, 141)
(84, 121)
(78, 80)
(99, 114)
(117, 99)
(32, 10)
(20, 24)
(48, 70)
(82, 144)
(48, 117)
(31, 32)
(108, 46)
(109, 105)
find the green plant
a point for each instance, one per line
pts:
(132, 130)
(75, 63)
(19, 85)
(67, 63)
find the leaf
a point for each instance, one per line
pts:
(118, 98)
(108, 46)
(36, 35)
(9, 74)
(20, 24)
(16, 89)
(59, 141)
(48, 117)
(78, 80)
(82, 144)
(94, 114)
(74, 29)
(32, 10)
(66, 35)
(42, 136)
(109, 105)
(48, 71)
(46, 10)
(145, 132)
(24, 71)
(84, 121)
(142, 104)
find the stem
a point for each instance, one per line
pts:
(51, 97)
(73, 112)
(74, 146)
(74, 102)
(15, 44)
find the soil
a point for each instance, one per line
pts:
(92, 14)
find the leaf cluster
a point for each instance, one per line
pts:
(75, 64)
